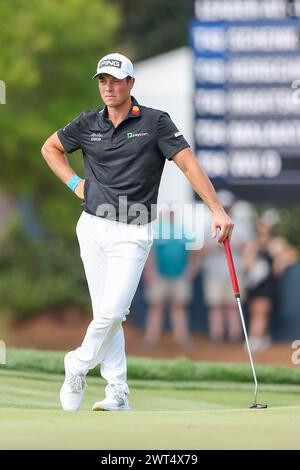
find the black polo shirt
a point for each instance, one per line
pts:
(123, 165)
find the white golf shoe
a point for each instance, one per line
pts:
(116, 399)
(72, 390)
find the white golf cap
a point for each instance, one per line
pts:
(116, 65)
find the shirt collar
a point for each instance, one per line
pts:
(134, 112)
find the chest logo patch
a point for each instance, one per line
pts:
(131, 135)
(96, 137)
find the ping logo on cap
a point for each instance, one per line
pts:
(110, 63)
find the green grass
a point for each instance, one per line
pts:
(165, 415)
(181, 369)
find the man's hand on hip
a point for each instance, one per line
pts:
(79, 190)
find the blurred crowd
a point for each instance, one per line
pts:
(261, 258)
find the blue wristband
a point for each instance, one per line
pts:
(73, 182)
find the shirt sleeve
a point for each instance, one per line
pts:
(70, 135)
(170, 139)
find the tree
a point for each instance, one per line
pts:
(151, 27)
(49, 50)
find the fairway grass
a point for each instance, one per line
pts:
(194, 415)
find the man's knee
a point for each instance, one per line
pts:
(117, 318)
(106, 318)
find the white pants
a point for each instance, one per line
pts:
(113, 255)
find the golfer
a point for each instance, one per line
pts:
(124, 146)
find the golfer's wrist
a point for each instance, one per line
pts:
(216, 209)
(73, 182)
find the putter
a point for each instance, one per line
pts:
(236, 291)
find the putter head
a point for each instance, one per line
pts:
(258, 406)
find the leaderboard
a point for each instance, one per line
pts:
(247, 96)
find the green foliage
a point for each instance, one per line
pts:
(289, 225)
(151, 27)
(49, 51)
(172, 370)
(39, 276)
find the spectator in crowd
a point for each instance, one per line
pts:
(168, 273)
(223, 316)
(264, 260)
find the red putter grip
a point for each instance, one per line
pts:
(234, 281)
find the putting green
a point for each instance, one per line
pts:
(165, 416)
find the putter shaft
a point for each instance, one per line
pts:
(236, 290)
(238, 299)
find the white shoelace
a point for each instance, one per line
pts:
(113, 391)
(76, 382)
